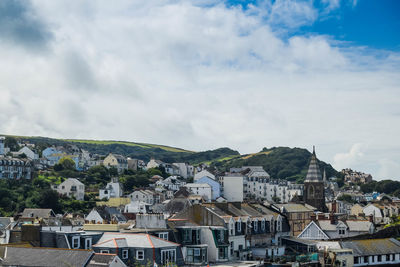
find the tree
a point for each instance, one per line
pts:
(49, 199)
(67, 163)
(11, 143)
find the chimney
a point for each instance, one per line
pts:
(371, 218)
(332, 218)
(321, 216)
(334, 206)
(313, 217)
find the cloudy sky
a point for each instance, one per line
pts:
(204, 74)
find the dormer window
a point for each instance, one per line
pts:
(239, 226)
(342, 231)
(263, 225)
(255, 226)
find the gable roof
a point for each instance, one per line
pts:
(102, 259)
(309, 227)
(133, 240)
(19, 256)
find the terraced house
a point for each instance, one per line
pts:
(13, 168)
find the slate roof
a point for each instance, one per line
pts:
(4, 222)
(292, 207)
(133, 240)
(314, 173)
(101, 260)
(18, 256)
(40, 213)
(373, 246)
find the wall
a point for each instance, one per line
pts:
(233, 188)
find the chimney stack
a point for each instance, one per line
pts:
(313, 217)
(334, 206)
(332, 218)
(321, 216)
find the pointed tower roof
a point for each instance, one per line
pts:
(314, 173)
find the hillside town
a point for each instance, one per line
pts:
(196, 216)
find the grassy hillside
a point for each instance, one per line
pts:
(279, 162)
(135, 150)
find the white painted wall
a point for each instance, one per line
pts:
(233, 188)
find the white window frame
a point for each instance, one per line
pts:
(137, 255)
(74, 238)
(167, 252)
(88, 246)
(239, 228)
(263, 225)
(105, 251)
(255, 225)
(163, 235)
(125, 254)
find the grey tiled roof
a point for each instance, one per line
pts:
(40, 213)
(101, 260)
(17, 256)
(133, 240)
(373, 246)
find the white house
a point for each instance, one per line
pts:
(371, 209)
(112, 190)
(136, 207)
(232, 187)
(71, 187)
(171, 183)
(201, 190)
(203, 173)
(185, 170)
(94, 217)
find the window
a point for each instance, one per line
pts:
(342, 231)
(88, 243)
(379, 258)
(356, 260)
(231, 228)
(168, 256)
(140, 255)
(365, 259)
(163, 235)
(255, 226)
(124, 254)
(187, 235)
(220, 235)
(263, 225)
(75, 242)
(104, 251)
(239, 226)
(222, 251)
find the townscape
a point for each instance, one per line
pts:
(178, 214)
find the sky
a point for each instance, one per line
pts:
(204, 74)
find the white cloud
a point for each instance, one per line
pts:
(355, 155)
(196, 77)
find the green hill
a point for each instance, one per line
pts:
(279, 162)
(141, 151)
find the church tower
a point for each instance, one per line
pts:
(314, 189)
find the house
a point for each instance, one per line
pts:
(137, 206)
(185, 170)
(171, 183)
(154, 163)
(333, 229)
(201, 174)
(147, 196)
(23, 256)
(298, 215)
(105, 215)
(232, 187)
(140, 249)
(5, 224)
(215, 186)
(71, 187)
(200, 190)
(66, 237)
(101, 259)
(13, 168)
(357, 210)
(28, 153)
(117, 161)
(38, 213)
(373, 210)
(113, 189)
(132, 164)
(2, 146)
(250, 228)
(53, 155)
(374, 252)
